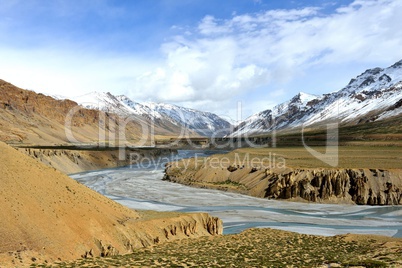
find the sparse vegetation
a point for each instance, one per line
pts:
(258, 248)
(384, 132)
(382, 157)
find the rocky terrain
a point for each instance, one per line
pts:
(359, 186)
(355, 185)
(260, 248)
(47, 216)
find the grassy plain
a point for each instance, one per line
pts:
(382, 157)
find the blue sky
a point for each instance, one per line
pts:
(207, 55)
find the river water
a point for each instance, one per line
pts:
(141, 187)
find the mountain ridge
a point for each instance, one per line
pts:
(203, 123)
(375, 94)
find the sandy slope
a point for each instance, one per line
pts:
(46, 215)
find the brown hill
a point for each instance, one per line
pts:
(46, 216)
(28, 117)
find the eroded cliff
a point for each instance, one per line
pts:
(358, 186)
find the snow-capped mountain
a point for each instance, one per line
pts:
(104, 101)
(375, 94)
(204, 123)
(279, 117)
(165, 115)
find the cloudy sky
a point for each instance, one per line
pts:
(204, 54)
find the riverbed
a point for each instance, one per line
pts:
(141, 186)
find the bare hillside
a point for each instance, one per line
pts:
(28, 117)
(47, 216)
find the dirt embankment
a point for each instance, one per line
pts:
(358, 186)
(74, 161)
(47, 216)
(362, 186)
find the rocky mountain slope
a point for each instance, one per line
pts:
(204, 123)
(28, 117)
(374, 95)
(169, 116)
(47, 216)
(125, 108)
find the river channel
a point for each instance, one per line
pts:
(141, 187)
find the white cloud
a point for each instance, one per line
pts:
(68, 73)
(222, 59)
(207, 72)
(215, 64)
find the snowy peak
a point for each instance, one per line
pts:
(375, 79)
(396, 65)
(299, 102)
(305, 98)
(278, 117)
(103, 101)
(204, 123)
(138, 108)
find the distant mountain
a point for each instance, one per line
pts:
(279, 117)
(204, 123)
(168, 115)
(374, 95)
(104, 101)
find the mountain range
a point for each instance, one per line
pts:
(30, 118)
(168, 115)
(372, 96)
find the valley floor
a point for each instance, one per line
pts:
(260, 248)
